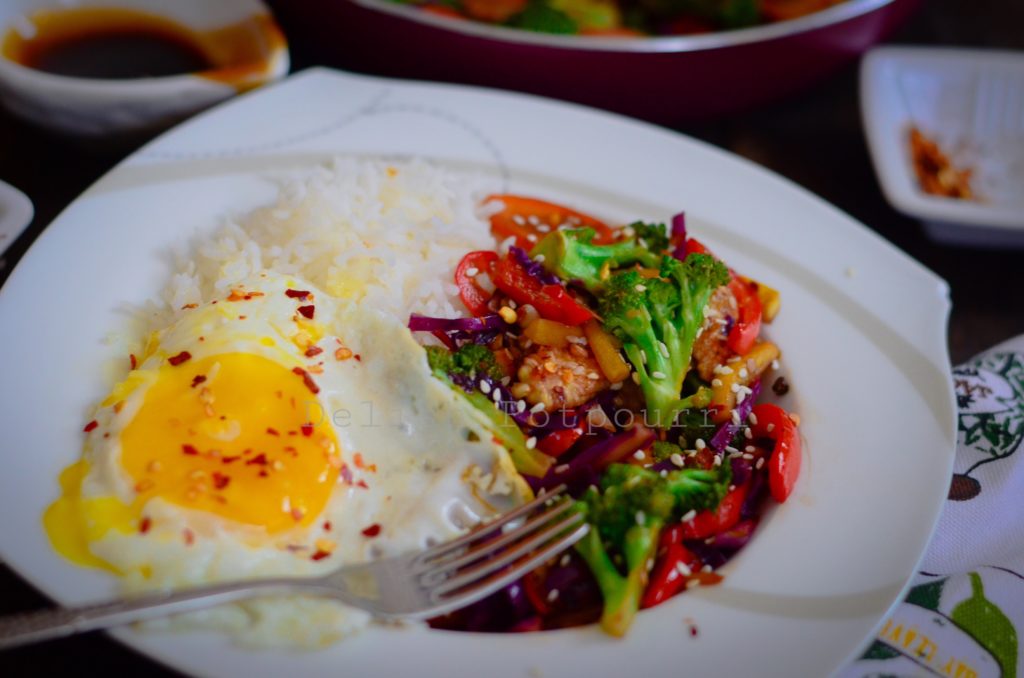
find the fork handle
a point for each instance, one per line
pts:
(32, 627)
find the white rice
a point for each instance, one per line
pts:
(376, 232)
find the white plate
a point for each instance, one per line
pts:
(972, 103)
(862, 330)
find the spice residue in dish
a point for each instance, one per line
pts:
(935, 171)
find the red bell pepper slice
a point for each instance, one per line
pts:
(748, 323)
(667, 578)
(774, 423)
(515, 221)
(694, 246)
(552, 302)
(708, 523)
(558, 443)
(471, 294)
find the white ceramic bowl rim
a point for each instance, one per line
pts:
(850, 9)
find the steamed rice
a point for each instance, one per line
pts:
(387, 234)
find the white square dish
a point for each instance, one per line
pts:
(971, 103)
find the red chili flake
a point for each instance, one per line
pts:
(346, 473)
(263, 473)
(291, 450)
(189, 450)
(296, 294)
(259, 460)
(693, 631)
(313, 351)
(144, 525)
(358, 357)
(362, 484)
(327, 525)
(132, 360)
(372, 530)
(307, 311)
(176, 360)
(319, 555)
(298, 514)
(190, 537)
(198, 379)
(91, 425)
(228, 460)
(272, 432)
(242, 317)
(220, 481)
(188, 306)
(306, 379)
(307, 429)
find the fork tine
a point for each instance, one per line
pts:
(495, 582)
(485, 528)
(475, 573)
(491, 546)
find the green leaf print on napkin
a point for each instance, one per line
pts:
(989, 626)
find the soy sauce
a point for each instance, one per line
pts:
(117, 55)
(108, 43)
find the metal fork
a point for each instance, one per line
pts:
(415, 585)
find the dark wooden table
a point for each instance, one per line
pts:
(816, 139)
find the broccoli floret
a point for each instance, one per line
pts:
(653, 237)
(657, 320)
(541, 17)
(470, 360)
(627, 515)
(663, 449)
(572, 255)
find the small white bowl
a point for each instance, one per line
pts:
(16, 212)
(971, 102)
(87, 107)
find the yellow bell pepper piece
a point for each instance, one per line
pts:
(770, 298)
(753, 364)
(551, 333)
(606, 351)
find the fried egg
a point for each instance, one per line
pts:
(275, 430)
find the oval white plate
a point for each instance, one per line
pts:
(862, 330)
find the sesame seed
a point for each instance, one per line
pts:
(640, 517)
(771, 427)
(743, 373)
(643, 356)
(753, 418)
(748, 434)
(663, 348)
(684, 569)
(533, 220)
(518, 219)
(775, 364)
(689, 515)
(539, 407)
(658, 375)
(521, 406)
(531, 442)
(700, 444)
(593, 376)
(472, 271)
(616, 386)
(716, 382)
(565, 560)
(722, 369)
(496, 395)
(552, 595)
(735, 417)
(639, 454)
(485, 386)
(561, 468)
(740, 397)
(735, 388)
(748, 456)
(760, 463)
(677, 459)
(505, 381)
(542, 228)
(692, 583)
(635, 377)
(663, 473)
(718, 460)
(531, 237)
(750, 448)
(640, 288)
(731, 450)
(573, 339)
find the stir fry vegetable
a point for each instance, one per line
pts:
(625, 363)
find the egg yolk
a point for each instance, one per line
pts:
(237, 435)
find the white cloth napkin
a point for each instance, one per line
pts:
(961, 616)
